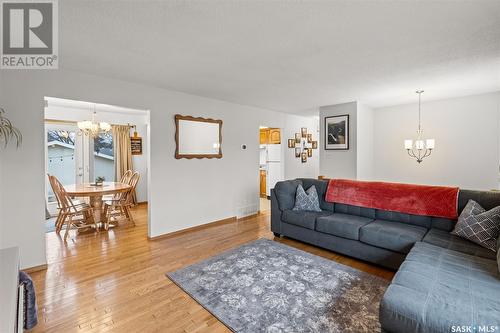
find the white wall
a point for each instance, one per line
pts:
(182, 194)
(3, 222)
(294, 168)
(339, 163)
(365, 138)
(466, 131)
(132, 117)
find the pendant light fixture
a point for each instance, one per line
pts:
(92, 127)
(420, 148)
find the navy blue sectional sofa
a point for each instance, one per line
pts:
(443, 283)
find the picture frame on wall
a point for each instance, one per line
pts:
(304, 157)
(303, 131)
(309, 138)
(315, 145)
(309, 152)
(136, 145)
(297, 137)
(297, 151)
(337, 132)
(291, 143)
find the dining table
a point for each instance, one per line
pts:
(95, 193)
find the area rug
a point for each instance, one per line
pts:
(266, 286)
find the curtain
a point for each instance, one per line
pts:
(122, 150)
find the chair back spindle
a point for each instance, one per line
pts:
(126, 177)
(133, 184)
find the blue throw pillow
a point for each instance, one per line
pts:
(307, 200)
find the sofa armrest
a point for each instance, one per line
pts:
(275, 214)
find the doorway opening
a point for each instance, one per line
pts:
(270, 164)
(84, 160)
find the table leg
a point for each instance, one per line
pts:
(96, 203)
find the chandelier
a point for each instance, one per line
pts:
(92, 127)
(420, 148)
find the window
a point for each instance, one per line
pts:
(61, 161)
(104, 157)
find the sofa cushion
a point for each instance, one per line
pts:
(394, 236)
(448, 241)
(303, 218)
(285, 193)
(479, 225)
(437, 288)
(307, 200)
(342, 225)
(321, 186)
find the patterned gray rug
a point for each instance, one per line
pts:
(265, 286)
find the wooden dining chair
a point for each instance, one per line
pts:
(75, 216)
(125, 180)
(59, 215)
(58, 221)
(118, 209)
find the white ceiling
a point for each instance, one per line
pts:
(289, 55)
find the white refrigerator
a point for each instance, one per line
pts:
(273, 165)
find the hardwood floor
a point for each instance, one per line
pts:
(115, 281)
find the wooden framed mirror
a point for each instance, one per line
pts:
(197, 137)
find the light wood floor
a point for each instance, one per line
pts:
(115, 281)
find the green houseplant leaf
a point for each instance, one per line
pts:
(8, 131)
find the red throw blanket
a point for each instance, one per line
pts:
(437, 201)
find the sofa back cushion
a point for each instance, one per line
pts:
(428, 222)
(285, 192)
(321, 186)
(443, 224)
(486, 199)
(417, 220)
(490, 199)
(424, 200)
(355, 210)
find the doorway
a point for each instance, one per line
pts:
(74, 157)
(270, 164)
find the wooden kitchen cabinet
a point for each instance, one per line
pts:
(263, 184)
(264, 134)
(270, 136)
(274, 136)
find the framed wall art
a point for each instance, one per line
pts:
(297, 137)
(337, 132)
(136, 145)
